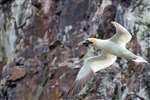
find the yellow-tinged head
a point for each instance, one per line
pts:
(92, 40)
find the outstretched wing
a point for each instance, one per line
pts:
(122, 36)
(91, 66)
(103, 61)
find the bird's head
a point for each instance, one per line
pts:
(89, 41)
(99, 43)
(92, 40)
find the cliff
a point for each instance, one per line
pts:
(40, 53)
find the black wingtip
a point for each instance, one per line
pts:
(78, 85)
(75, 88)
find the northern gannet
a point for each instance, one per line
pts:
(111, 49)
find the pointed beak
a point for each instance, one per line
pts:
(85, 43)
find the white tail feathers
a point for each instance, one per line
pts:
(140, 59)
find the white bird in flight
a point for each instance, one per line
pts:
(111, 49)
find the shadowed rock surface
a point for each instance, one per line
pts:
(40, 53)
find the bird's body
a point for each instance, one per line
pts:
(114, 49)
(111, 49)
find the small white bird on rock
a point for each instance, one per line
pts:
(111, 49)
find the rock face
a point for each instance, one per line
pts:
(40, 53)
